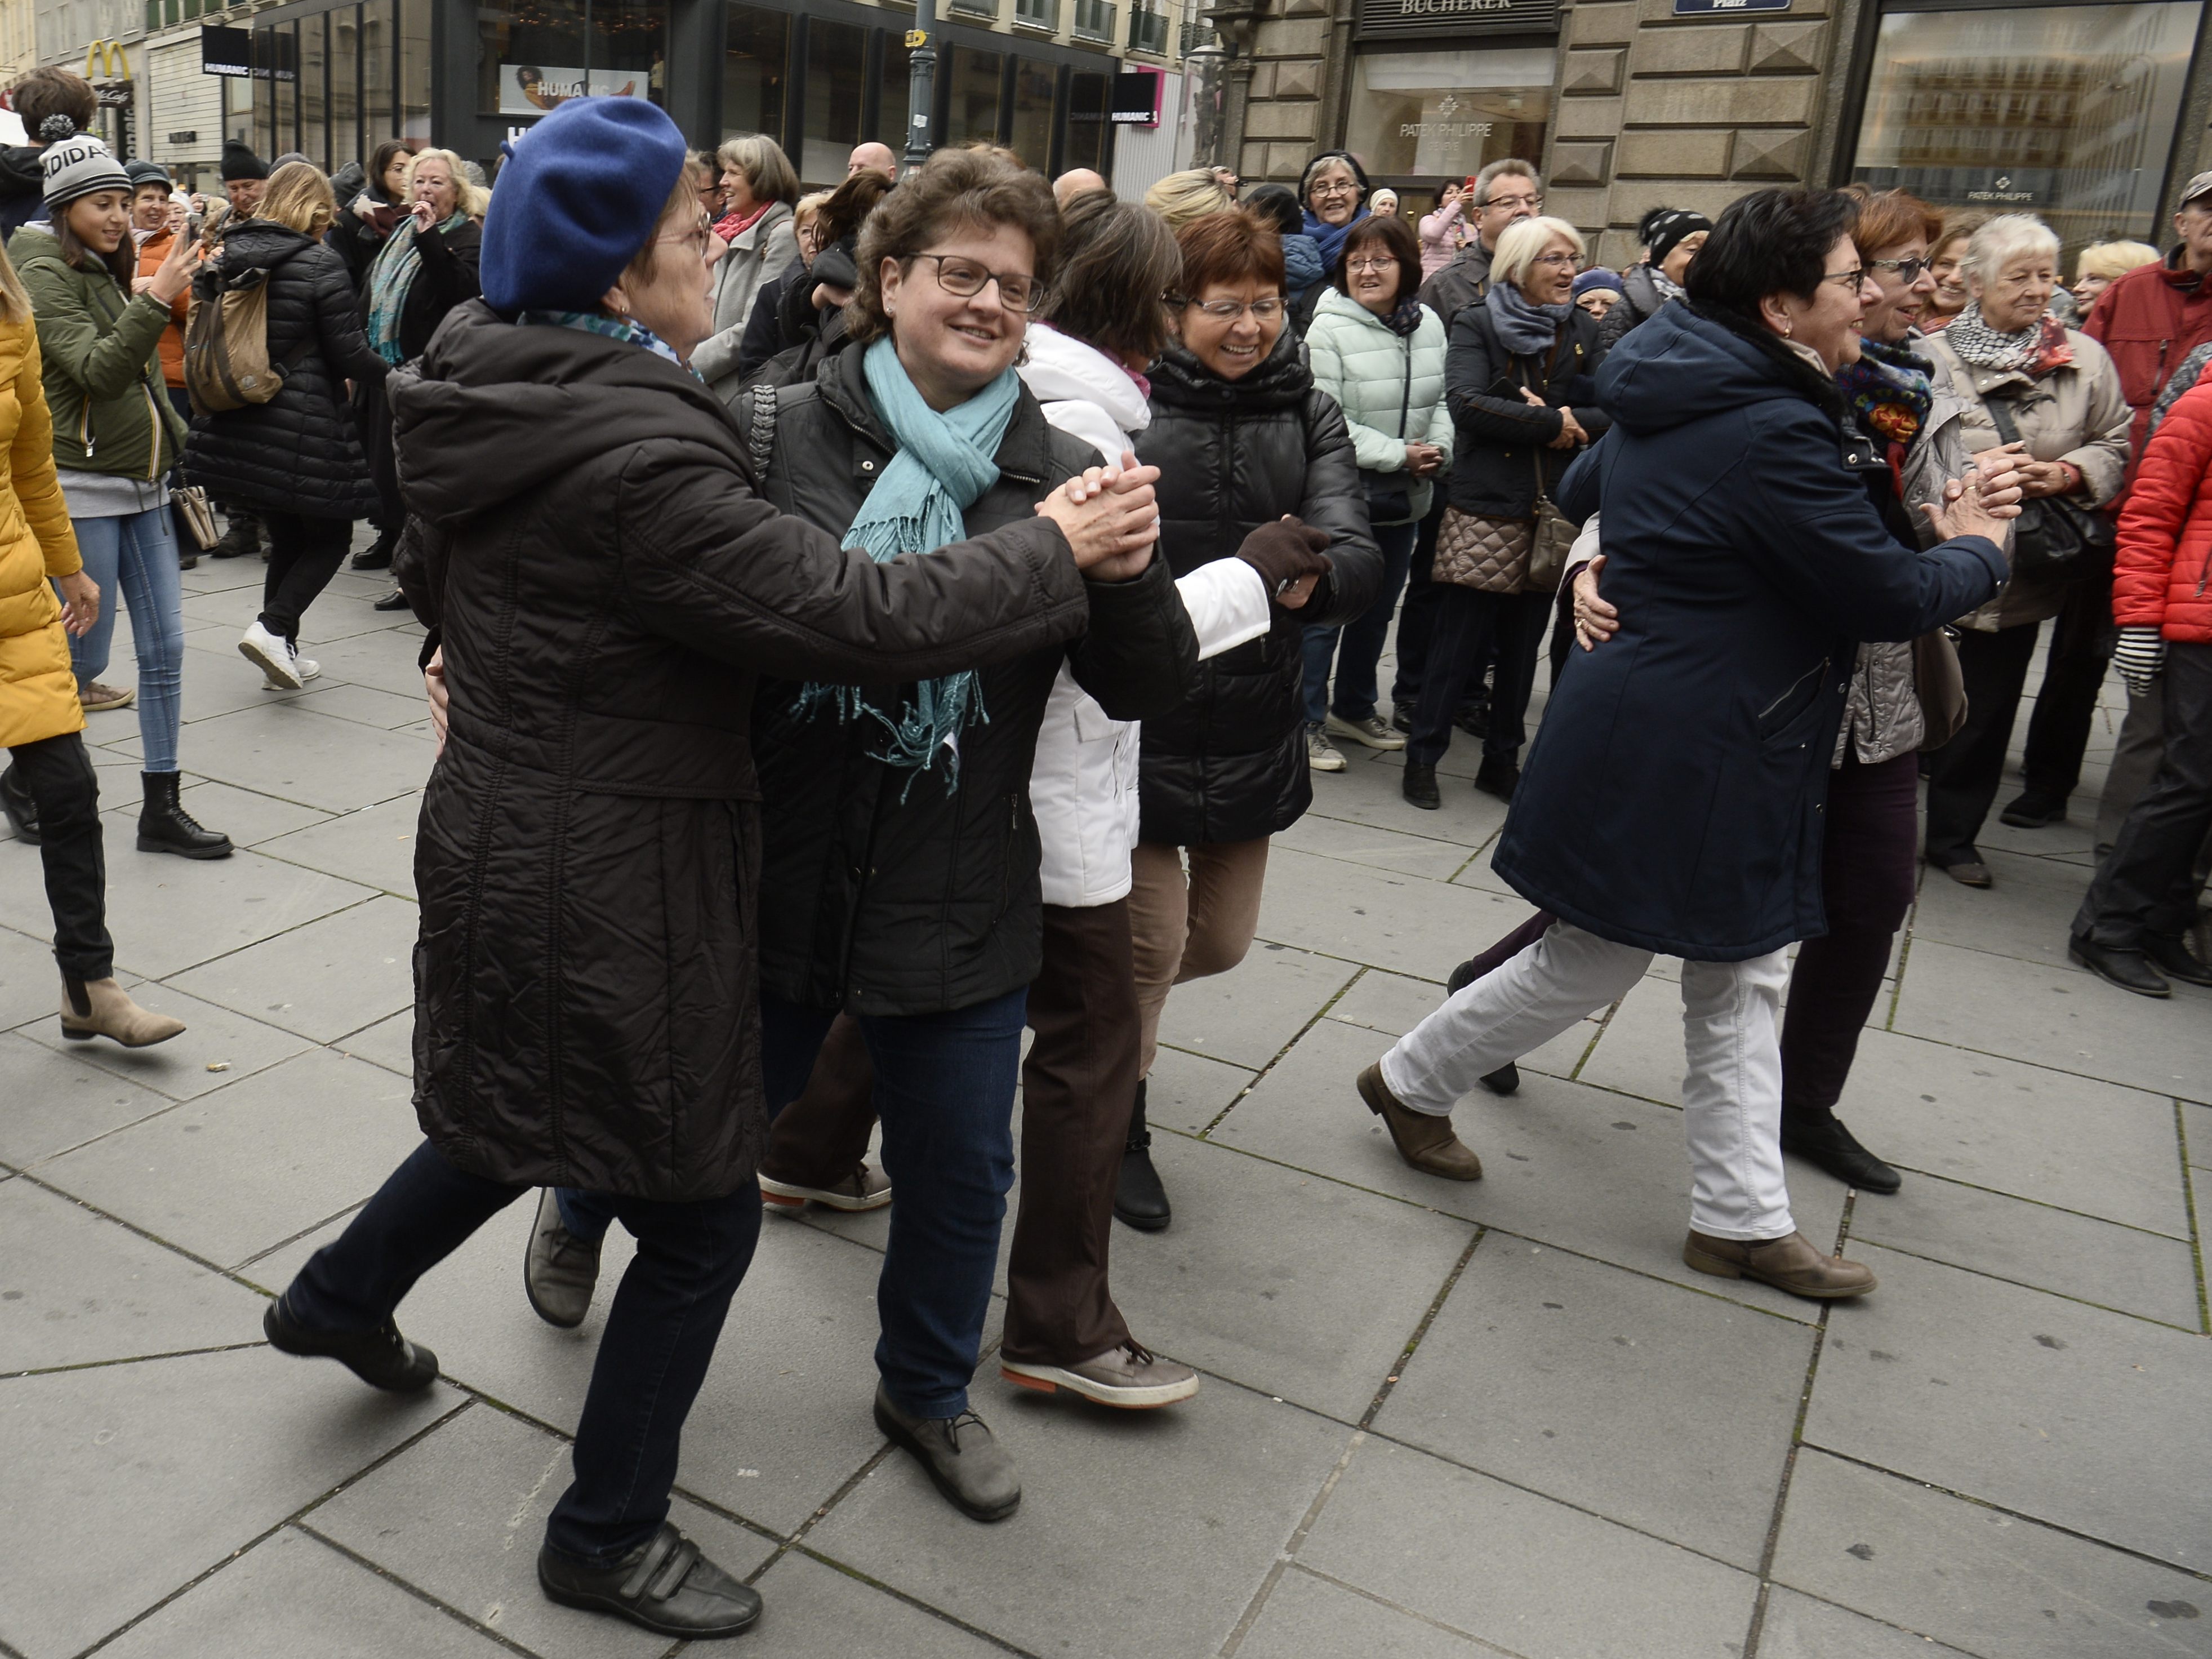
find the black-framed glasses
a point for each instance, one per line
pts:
(1333, 187)
(1908, 270)
(965, 278)
(1850, 279)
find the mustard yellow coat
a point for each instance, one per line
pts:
(38, 692)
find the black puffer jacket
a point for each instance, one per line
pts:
(1639, 302)
(1502, 438)
(22, 186)
(300, 452)
(884, 892)
(605, 587)
(1230, 763)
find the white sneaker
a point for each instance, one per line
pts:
(306, 667)
(1322, 755)
(274, 658)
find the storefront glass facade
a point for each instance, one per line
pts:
(336, 83)
(1421, 116)
(2069, 112)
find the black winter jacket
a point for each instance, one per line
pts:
(1639, 302)
(1502, 438)
(1229, 762)
(22, 187)
(886, 891)
(606, 587)
(1460, 284)
(301, 452)
(447, 276)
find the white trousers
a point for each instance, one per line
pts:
(1731, 1037)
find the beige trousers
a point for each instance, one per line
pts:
(1189, 926)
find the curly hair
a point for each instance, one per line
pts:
(954, 190)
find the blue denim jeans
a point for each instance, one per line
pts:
(1363, 639)
(133, 557)
(945, 1092)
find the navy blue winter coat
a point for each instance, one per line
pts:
(1674, 797)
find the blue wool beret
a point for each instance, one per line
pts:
(580, 196)
(1597, 276)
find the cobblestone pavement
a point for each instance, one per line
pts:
(1436, 1420)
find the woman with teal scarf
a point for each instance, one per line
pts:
(900, 873)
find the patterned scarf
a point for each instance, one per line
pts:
(613, 328)
(2034, 351)
(397, 264)
(1888, 388)
(945, 464)
(1406, 321)
(1665, 286)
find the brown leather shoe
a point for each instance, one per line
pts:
(1791, 1264)
(1424, 1141)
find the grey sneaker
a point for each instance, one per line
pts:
(560, 1271)
(959, 1455)
(1131, 1376)
(1320, 754)
(1375, 732)
(864, 1190)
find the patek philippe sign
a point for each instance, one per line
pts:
(1707, 8)
(1382, 20)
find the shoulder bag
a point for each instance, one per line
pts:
(1940, 686)
(1390, 494)
(2052, 533)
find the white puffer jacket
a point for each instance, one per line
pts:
(1083, 789)
(1389, 386)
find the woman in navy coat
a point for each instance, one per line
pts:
(1673, 800)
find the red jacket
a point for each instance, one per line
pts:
(2160, 573)
(2149, 320)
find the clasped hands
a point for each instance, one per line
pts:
(1111, 518)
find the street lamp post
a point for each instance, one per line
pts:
(921, 83)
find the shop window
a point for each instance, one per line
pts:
(892, 93)
(1444, 115)
(2068, 113)
(752, 71)
(836, 78)
(314, 139)
(415, 71)
(285, 52)
(1033, 89)
(531, 54)
(1089, 101)
(380, 117)
(629, 48)
(345, 88)
(973, 82)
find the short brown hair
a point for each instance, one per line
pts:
(1889, 218)
(1117, 264)
(298, 198)
(50, 91)
(955, 189)
(767, 170)
(1232, 246)
(1398, 240)
(846, 208)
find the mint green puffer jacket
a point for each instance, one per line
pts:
(1390, 386)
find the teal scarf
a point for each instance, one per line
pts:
(613, 328)
(389, 279)
(945, 464)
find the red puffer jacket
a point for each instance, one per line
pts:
(2149, 320)
(2165, 557)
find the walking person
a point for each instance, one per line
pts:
(116, 440)
(1671, 237)
(1244, 437)
(605, 589)
(2028, 379)
(759, 190)
(1379, 352)
(1520, 380)
(296, 460)
(49, 790)
(1745, 556)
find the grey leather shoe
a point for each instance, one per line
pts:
(562, 1270)
(664, 1584)
(1131, 1378)
(959, 1455)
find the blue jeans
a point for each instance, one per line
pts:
(1362, 639)
(944, 1093)
(661, 1329)
(133, 557)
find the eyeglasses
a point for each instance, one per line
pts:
(1850, 279)
(1387, 262)
(1228, 311)
(1908, 270)
(965, 278)
(700, 237)
(1532, 203)
(1557, 261)
(1344, 187)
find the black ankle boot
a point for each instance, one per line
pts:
(1821, 1140)
(1139, 1200)
(166, 827)
(243, 536)
(378, 556)
(23, 811)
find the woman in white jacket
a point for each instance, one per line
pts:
(1376, 348)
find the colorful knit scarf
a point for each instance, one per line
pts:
(1888, 388)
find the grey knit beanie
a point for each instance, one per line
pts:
(77, 167)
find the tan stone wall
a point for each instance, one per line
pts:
(1283, 116)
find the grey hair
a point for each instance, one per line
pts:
(1525, 239)
(1511, 165)
(2002, 238)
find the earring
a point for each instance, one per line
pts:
(1786, 328)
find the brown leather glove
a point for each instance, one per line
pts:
(1284, 551)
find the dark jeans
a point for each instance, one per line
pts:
(2148, 884)
(944, 1088)
(57, 773)
(1470, 627)
(304, 554)
(1416, 621)
(2081, 641)
(1866, 888)
(1362, 647)
(660, 1333)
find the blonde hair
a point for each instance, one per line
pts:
(808, 207)
(470, 197)
(1191, 194)
(2110, 260)
(298, 198)
(766, 167)
(1523, 240)
(15, 300)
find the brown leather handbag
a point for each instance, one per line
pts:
(1940, 685)
(1508, 555)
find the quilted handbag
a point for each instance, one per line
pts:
(1488, 554)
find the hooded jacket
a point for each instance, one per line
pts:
(606, 587)
(22, 187)
(301, 452)
(892, 891)
(1083, 787)
(1389, 386)
(2162, 572)
(38, 691)
(1228, 763)
(1674, 797)
(2148, 320)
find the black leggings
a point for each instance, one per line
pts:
(58, 775)
(304, 554)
